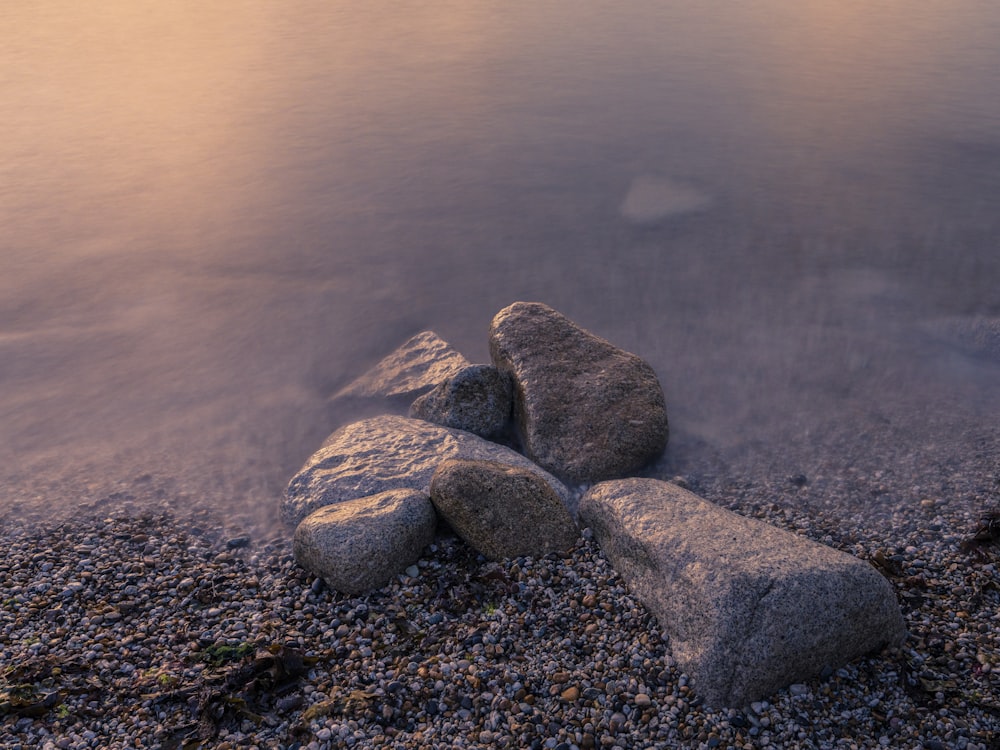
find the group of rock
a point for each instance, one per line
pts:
(497, 452)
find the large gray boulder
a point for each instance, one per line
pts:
(359, 545)
(476, 398)
(502, 511)
(415, 367)
(585, 409)
(748, 608)
(386, 453)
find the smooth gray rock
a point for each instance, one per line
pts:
(502, 511)
(476, 398)
(386, 453)
(359, 545)
(415, 367)
(748, 608)
(585, 409)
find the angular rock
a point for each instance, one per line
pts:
(476, 398)
(500, 510)
(585, 409)
(385, 453)
(748, 608)
(415, 367)
(359, 545)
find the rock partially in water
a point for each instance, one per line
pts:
(359, 545)
(415, 367)
(476, 398)
(385, 453)
(749, 608)
(585, 409)
(502, 511)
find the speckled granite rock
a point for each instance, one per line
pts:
(586, 410)
(359, 545)
(476, 398)
(385, 453)
(502, 511)
(415, 367)
(749, 608)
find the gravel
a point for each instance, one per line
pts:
(140, 625)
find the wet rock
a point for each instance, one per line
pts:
(585, 409)
(476, 398)
(415, 367)
(502, 511)
(749, 608)
(384, 453)
(358, 545)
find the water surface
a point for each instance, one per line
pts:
(216, 214)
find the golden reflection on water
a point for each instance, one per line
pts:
(121, 115)
(201, 201)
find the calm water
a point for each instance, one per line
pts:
(214, 214)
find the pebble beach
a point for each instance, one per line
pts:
(138, 625)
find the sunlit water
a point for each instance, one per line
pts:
(214, 214)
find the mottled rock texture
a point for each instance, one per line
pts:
(357, 546)
(476, 398)
(585, 409)
(500, 510)
(749, 608)
(415, 367)
(385, 453)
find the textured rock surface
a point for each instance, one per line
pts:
(476, 398)
(586, 410)
(386, 453)
(359, 545)
(500, 510)
(749, 608)
(418, 365)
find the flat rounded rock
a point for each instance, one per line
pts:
(389, 452)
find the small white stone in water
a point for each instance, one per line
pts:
(413, 571)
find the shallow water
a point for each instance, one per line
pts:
(216, 214)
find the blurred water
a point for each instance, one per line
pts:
(216, 213)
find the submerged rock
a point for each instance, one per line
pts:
(749, 608)
(500, 510)
(651, 198)
(585, 409)
(976, 336)
(359, 545)
(476, 398)
(415, 367)
(385, 453)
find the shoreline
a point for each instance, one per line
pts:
(146, 628)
